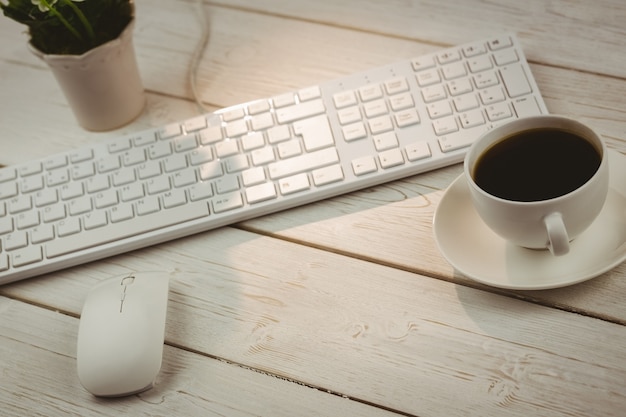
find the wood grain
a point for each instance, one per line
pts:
(366, 331)
(345, 306)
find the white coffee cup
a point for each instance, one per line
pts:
(549, 221)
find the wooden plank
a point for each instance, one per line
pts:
(38, 349)
(411, 343)
(594, 99)
(253, 62)
(556, 33)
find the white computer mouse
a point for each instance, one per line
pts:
(121, 334)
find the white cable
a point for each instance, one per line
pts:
(197, 56)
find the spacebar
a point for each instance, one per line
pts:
(129, 228)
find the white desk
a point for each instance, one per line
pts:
(343, 307)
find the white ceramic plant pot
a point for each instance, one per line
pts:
(102, 86)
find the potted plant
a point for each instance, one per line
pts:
(88, 46)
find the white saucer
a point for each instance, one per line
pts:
(474, 250)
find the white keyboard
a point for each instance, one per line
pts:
(259, 157)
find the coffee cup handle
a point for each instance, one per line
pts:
(558, 240)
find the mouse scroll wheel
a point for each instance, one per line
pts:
(128, 280)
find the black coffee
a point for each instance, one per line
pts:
(536, 165)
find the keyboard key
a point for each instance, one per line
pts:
(354, 131)
(486, 79)
(121, 213)
(380, 124)
(507, 56)
(284, 100)
(327, 175)
(515, 80)
(6, 225)
(390, 158)
(479, 63)
(148, 205)
(445, 126)
(55, 162)
(385, 141)
(8, 190)
(526, 106)
(119, 145)
(4, 262)
(233, 114)
(344, 99)
(472, 118)
(428, 77)
(303, 163)
(94, 220)
(499, 43)
(473, 50)
(262, 121)
(439, 109)
(406, 118)
(68, 226)
(454, 142)
(236, 128)
(227, 202)
(20, 204)
(396, 85)
(349, 115)
(42, 233)
(492, 95)
(15, 240)
(253, 176)
(458, 87)
(200, 191)
(7, 174)
(84, 170)
(30, 169)
(401, 102)
(54, 213)
(227, 148)
(294, 184)
(252, 141)
(300, 111)
(278, 134)
(499, 112)
(316, 133)
(263, 156)
(370, 92)
(194, 124)
(417, 150)
(105, 199)
(309, 93)
(45, 197)
(364, 165)
(169, 131)
(227, 184)
(433, 93)
(259, 107)
(174, 198)
(210, 135)
(27, 220)
(453, 71)
(375, 108)
(115, 232)
(261, 192)
(27, 256)
(422, 63)
(448, 56)
(31, 184)
(79, 206)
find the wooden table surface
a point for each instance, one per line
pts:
(344, 307)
